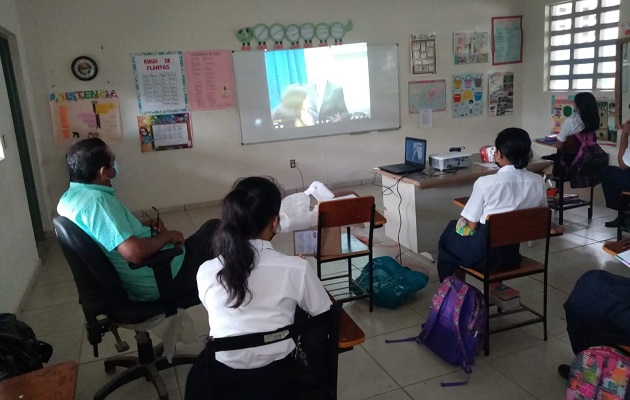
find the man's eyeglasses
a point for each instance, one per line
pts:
(155, 228)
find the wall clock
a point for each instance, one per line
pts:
(322, 32)
(84, 68)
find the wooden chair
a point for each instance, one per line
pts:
(319, 338)
(333, 216)
(624, 211)
(511, 228)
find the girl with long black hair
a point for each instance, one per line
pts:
(250, 287)
(585, 118)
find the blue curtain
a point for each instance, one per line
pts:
(284, 68)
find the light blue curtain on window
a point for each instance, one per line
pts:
(284, 68)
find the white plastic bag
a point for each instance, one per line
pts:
(296, 214)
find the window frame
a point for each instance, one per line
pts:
(572, 47)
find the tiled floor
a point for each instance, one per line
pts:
(521, 364)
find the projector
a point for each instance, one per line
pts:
(450, 160)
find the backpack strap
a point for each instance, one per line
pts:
(585, 139)
(461, 296)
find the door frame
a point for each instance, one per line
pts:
(21, 138)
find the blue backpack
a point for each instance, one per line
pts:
(456, 327)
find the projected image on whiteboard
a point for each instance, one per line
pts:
(316, 86)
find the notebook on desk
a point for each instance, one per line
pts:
(415, 158)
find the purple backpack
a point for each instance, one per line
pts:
(456, 327)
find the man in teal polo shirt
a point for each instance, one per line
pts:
(91, 203)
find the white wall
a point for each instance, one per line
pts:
(110, 31)
(18, 254)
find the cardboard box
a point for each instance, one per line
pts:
(305, 242)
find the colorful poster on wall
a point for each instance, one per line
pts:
(209, 79)
(160, 82)
(500, 93)
(467, 95)
(507, 40)
(470, 47)
(164, 132)
(422, 53)
(561, 109)
(427, 95)
(85, 113)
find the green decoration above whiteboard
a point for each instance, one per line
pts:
(293, 33)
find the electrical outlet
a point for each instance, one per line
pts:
(292, 163)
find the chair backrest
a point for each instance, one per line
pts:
(319, 340)
(518, 226)
(99, 286)
(344, 212)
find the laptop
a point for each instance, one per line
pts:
(415, 158)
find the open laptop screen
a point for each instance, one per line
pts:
(415, 151)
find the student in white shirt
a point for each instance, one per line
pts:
(511, 188)
(617, 179)
(252, 288)
(585, 118)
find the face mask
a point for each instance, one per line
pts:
(115, 169)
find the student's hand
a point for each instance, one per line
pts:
(302, 256)
(175, 237)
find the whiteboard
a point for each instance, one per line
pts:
(370, 89)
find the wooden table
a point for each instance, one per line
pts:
(616, 247)
(350, 334)
(423, 215)
(55, 382)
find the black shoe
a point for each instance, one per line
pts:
(614, 223)
(563, 370)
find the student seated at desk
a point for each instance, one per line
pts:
(91, 203)
(252, 288)
(511, 188)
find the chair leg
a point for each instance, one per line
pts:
(590, 206)
(560, 200)
(486, 295)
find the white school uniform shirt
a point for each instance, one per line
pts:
(278, 283)
(571, 126)
(626, 156)
(508, 190)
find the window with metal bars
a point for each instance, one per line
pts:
(582, 35)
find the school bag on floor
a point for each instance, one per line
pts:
(20, 351)
(601, 373)
(456, 327)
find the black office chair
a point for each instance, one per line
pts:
(106, 306)
(315, 378)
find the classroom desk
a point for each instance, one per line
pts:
(350, 334)
(55, 382)
(423, 197)
(616, 247)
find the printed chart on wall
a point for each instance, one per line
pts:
(470, 47)
(422, 53)
(427, 95)
(83, 114)
(507, 40)
(500, 93)
(164, 132)
(160, 82)
(209, 80)
(562, 108)
(467, 95)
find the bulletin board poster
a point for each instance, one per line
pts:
(561, 109)
(422, 53)
(164, 132)
(507, 40)
(209, 80)
(83, 114)
(160, 82)
(467, 95)
(500, 93)
(471, 47)
(427, 95)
